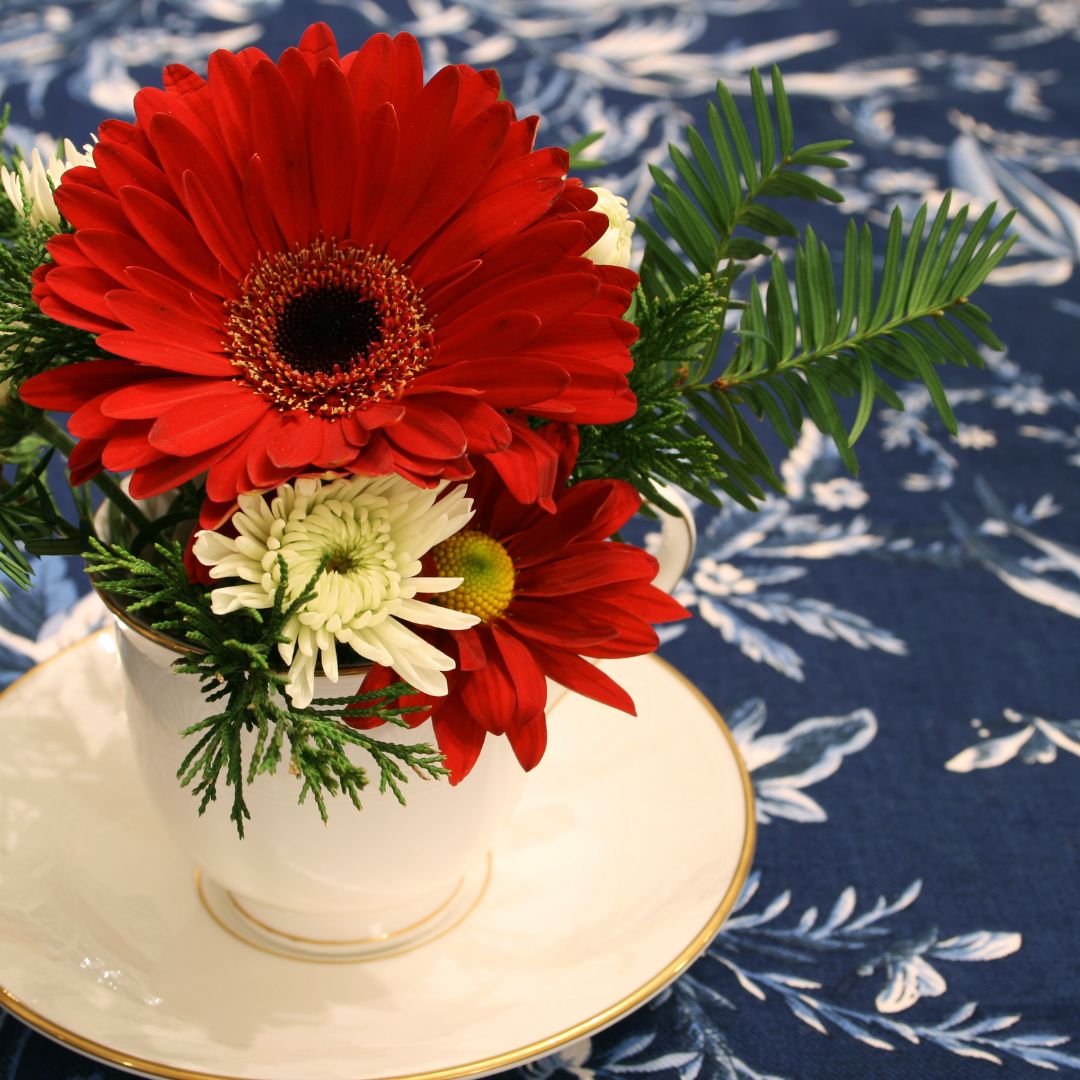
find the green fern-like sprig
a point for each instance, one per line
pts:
(807, 341)
(233, 657)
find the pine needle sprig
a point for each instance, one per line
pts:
(233, 656)
(31, 341)
(654, 445)
(807, 340)
(796, 359)
(714, 198)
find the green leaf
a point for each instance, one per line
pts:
(865, 367)
(783, 113)
(766, 135)
(739, 136)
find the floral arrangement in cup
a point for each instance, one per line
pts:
(385, 387)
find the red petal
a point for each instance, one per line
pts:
(154, 319)
(87, 208)
(114, 252)
(84, 461)
(159, 353)
(128, 449)
(529, 742)
(121, 165)
(190, 428)
(232, 243)
(590, 510)
(227, 477)
(506, 383)
(332, 146)
(571, 671)
(489, 695)
(64, 389)
(229, 80)
(371, 73)
(557, 297)
(62, 311)
(459, 173)
(168, 473)
(178, 79)
(646, 602)
(408, 70)
(429, 433)
(485, 429)
(172, 236)
(586, 566)
(459, 737)
(425, 129)
(278, 137)
(151, 397)
(83, 287)
(484, 223)
(300, 80)
(558, 623)
(528, 466)
(529, 681)
(378, 143)
(258, 208)
(297, 440)
(318, 43)
(87, 422)
(497, 333)
(335, 452)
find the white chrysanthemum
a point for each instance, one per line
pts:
(613, 248)
(374, 531)
(40, 180)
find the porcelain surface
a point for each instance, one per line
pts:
(627, 851)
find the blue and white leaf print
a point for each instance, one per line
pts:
(904, 917)
(904, 969)
(1034, 740)
(782, 765)
(743, 556)
(1051, 577)
(38, 624)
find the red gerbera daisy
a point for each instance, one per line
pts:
(326, 263)
(550, 589)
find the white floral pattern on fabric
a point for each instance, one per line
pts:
(976, 96)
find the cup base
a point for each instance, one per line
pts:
(276, 931)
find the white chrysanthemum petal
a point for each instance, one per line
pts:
(435, 584)
(211, 547)
(416, 611)
(235, 597)
(370, 535)
(301, 684)
(614, 247)
(40, 178)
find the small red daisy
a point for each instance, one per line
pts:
(550, 589)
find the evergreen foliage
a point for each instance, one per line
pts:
(806, 333)
(233, 657)
(804, 340)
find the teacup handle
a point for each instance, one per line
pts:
(678, 535)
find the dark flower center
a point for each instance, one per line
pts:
(327, 329)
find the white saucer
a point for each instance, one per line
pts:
(631, 845)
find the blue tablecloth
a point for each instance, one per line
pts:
(896, 654)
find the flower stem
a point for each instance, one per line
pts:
(55, 435)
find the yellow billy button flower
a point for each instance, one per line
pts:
(486, 569)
